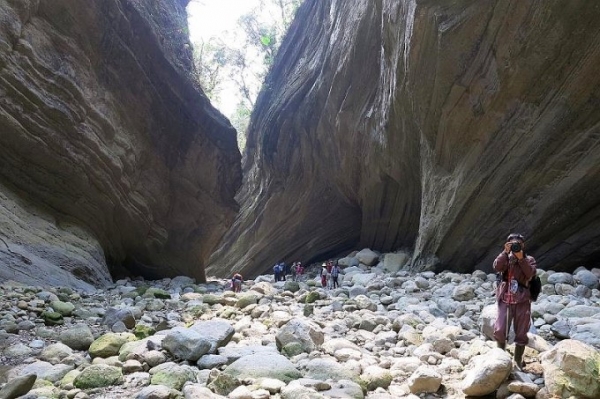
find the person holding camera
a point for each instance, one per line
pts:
(516, 269)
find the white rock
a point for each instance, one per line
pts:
(487, 372)
(424, 379)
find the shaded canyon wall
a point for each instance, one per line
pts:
(111, 156)
(430, 126)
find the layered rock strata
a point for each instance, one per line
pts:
(110, 154)
(425, 125)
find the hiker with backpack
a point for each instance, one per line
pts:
(512, 294)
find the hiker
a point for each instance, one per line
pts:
(335, 272)
(512, 294)
(324, 276)
(276, 272)
(299, 270)
(294, 270)
(282, 271)
(236, 282)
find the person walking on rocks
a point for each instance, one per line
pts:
(335, 272)
(236, 282)
(516, 269)
(324, 276)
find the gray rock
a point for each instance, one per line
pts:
(78, 337)
(324, 368)
(217, 332)
(233, 353)
(305, 333)
(367, 257)
(587, 278)
(263, 365)
(560, 278)
(186, 344)
(156, 392)
(210, 361)
(55, 353)
(579, 311)
(18, 386)
(113, 315)
(45, 370)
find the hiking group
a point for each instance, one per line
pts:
(329, 275)
(281, 270)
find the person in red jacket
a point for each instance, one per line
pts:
(516, 269)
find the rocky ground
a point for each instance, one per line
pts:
(383, 334)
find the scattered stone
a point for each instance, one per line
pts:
(98, 376)
(18, 386)
(381, 335)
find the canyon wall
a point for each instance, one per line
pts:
(428, 126)
(112, 160)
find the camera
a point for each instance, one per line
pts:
(515, 247)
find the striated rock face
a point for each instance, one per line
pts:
(110, 154)
(429, 126)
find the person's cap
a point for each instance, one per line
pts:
(515, 236)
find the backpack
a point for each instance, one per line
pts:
(535, 287)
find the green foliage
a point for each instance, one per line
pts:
(243, 57)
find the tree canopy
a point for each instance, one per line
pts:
(242, 57)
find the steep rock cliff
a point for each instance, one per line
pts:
(427, 125)
(111, 157)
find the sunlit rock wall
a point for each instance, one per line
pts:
(433, 126)
(111, 157)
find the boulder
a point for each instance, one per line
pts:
(424, 380)
(18, 386)
(392, 262)
(78, 337)
(217, 332)
(98, 376)
(303, 333)
(486, 372)
(367, 257)
(186, 343)
(571, 369)
(263, 365)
